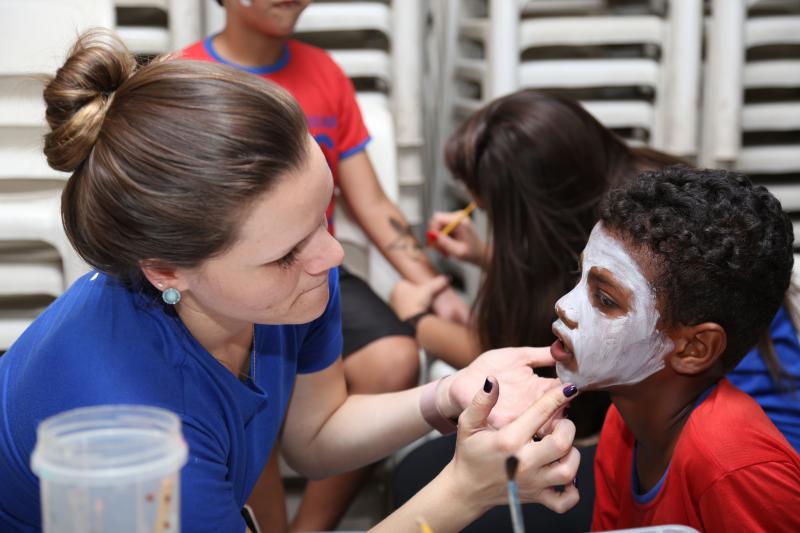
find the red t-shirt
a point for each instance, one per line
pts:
(323, 91)
(732, 470)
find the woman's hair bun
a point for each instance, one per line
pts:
(79, 95)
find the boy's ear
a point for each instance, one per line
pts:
(697, 347)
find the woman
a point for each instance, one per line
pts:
(199, 197)
(538, 165)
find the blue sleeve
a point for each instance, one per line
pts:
(208, 500)
(322, 344)
(752, 376)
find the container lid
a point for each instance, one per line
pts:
(109, 444)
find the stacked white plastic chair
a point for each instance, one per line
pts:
(756, 137)
(150, 36)
(669, 68)
(36, 261)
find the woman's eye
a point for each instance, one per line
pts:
(288, 260)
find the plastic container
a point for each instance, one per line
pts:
(110, 468)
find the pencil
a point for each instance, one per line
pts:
(423, 526)
(464, 213)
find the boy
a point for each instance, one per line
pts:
(683, 272)
(380, 352)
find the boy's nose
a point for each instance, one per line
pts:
(561, 314)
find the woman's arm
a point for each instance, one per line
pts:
(475, 479)
(326, 431)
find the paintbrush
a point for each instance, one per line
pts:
(513, 495)
(464, 213)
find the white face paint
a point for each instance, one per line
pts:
(609, 345)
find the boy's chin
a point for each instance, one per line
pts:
(568, 376)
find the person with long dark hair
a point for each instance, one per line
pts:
(538, 165)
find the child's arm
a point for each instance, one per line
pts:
(388, 229)
(454, 343)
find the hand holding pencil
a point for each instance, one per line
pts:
(454, 235)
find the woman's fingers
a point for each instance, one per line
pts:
(440, 219)
(552, 447)
(559, 500)
(534, 417)
(474, 417)
(537, 357)
(562, 471)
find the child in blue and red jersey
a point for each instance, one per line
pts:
(683, 272)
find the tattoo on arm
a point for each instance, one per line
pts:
(405, 240)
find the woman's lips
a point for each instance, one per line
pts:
(559, 352)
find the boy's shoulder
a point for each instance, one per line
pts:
(305, 56)
(728, 432)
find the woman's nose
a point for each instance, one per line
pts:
(329, 254)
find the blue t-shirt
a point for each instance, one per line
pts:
(752, 377)
(102, 343)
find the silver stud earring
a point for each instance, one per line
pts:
(171, 296)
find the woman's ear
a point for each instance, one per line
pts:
(161, 276)
(697, 347)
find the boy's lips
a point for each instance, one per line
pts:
(561, 350)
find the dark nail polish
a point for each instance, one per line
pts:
(570, 391)
(575, 482)
(487, 386)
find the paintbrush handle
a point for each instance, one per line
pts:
(517, 524)
(458, 220)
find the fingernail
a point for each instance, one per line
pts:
(487, 386)
(431, 236)
(570, 391)
(575, 482)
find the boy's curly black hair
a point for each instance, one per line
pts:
(721, 248)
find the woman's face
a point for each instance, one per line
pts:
(277, 271)
(607, 326)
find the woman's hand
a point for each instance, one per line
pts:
(462, 243)
(478, 467)
(513, 368)
(408, 298)
(475, 479)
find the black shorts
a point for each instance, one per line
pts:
(365, 317)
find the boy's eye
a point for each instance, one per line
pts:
(605, 301)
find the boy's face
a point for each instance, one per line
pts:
(607, 324)
(271, 17)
